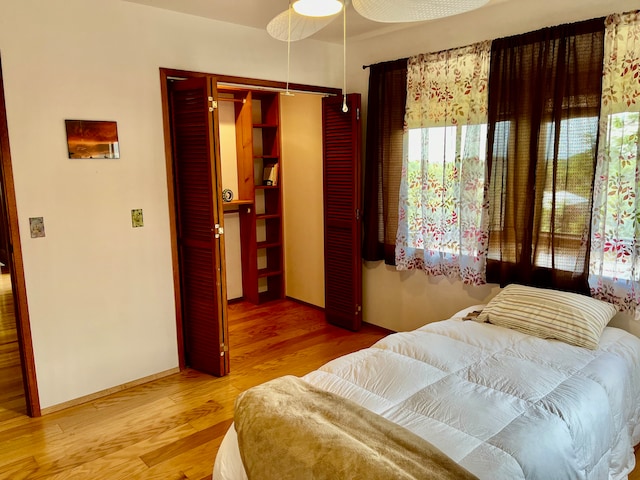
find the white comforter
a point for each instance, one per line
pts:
(503, 404)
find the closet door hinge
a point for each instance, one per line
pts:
(357, 114)
(223, 349)
(217, 230)
(214, 104)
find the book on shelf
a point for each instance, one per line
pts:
(270, 175)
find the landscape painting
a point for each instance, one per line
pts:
(92, 139)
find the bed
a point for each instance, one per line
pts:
(500, 401)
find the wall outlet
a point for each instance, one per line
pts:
(136, 218)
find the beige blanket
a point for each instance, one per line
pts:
(288, 429)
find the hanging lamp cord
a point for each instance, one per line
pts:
(345, 108)
(288, 49)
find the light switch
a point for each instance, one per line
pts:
(36, 225)
(136, 218)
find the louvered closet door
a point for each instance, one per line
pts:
(196, 184)
(342, 136)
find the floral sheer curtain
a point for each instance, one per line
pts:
(615, 236)
(442, 213)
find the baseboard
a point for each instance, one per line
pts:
(301, 302)
(322, 309)
(103, 393)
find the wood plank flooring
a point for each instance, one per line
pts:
(171, 428)
(12, 400)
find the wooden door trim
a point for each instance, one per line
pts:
(253, 83)
(168, 153)
(19, 286)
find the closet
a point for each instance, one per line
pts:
(258, 219)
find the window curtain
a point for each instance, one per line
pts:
(383, 161)
(544, 101)
(615, 239)
(442, 214)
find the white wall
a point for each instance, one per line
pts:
(406, 300)
(100, 293)
(229, 173)
(303, 197)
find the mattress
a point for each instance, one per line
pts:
(503, 404)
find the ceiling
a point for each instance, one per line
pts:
(258, 13)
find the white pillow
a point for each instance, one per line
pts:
(570, 317)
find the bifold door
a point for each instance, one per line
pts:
(196, 172)
(342, 138)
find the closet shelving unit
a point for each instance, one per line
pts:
(257, 117)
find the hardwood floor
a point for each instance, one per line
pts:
(171, 428)
(12, 400)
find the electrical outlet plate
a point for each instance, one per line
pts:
(136, 218)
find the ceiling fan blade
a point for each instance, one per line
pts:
(301, 26)
(399, 11)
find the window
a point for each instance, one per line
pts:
(565, 211)
(615, 258)
(615, 234)
(442, 215)
(543, 124)
(445, 147)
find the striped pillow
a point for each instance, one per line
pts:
(569, 317)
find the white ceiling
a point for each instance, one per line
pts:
(258, 13)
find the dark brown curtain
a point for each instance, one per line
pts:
(383, 159)
(544, 103)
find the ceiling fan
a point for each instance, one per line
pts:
(306, 17)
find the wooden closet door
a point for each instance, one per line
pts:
(196, 170)
(342, 137)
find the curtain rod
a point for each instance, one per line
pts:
(389, 62)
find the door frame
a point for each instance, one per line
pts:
(23, 324)
(166, 74)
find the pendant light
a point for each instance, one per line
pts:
(317, 8)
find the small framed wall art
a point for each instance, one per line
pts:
(92, 139)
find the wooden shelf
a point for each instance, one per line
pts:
(268, 245)
(266, 272)
(266, 216)
(234, 205)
